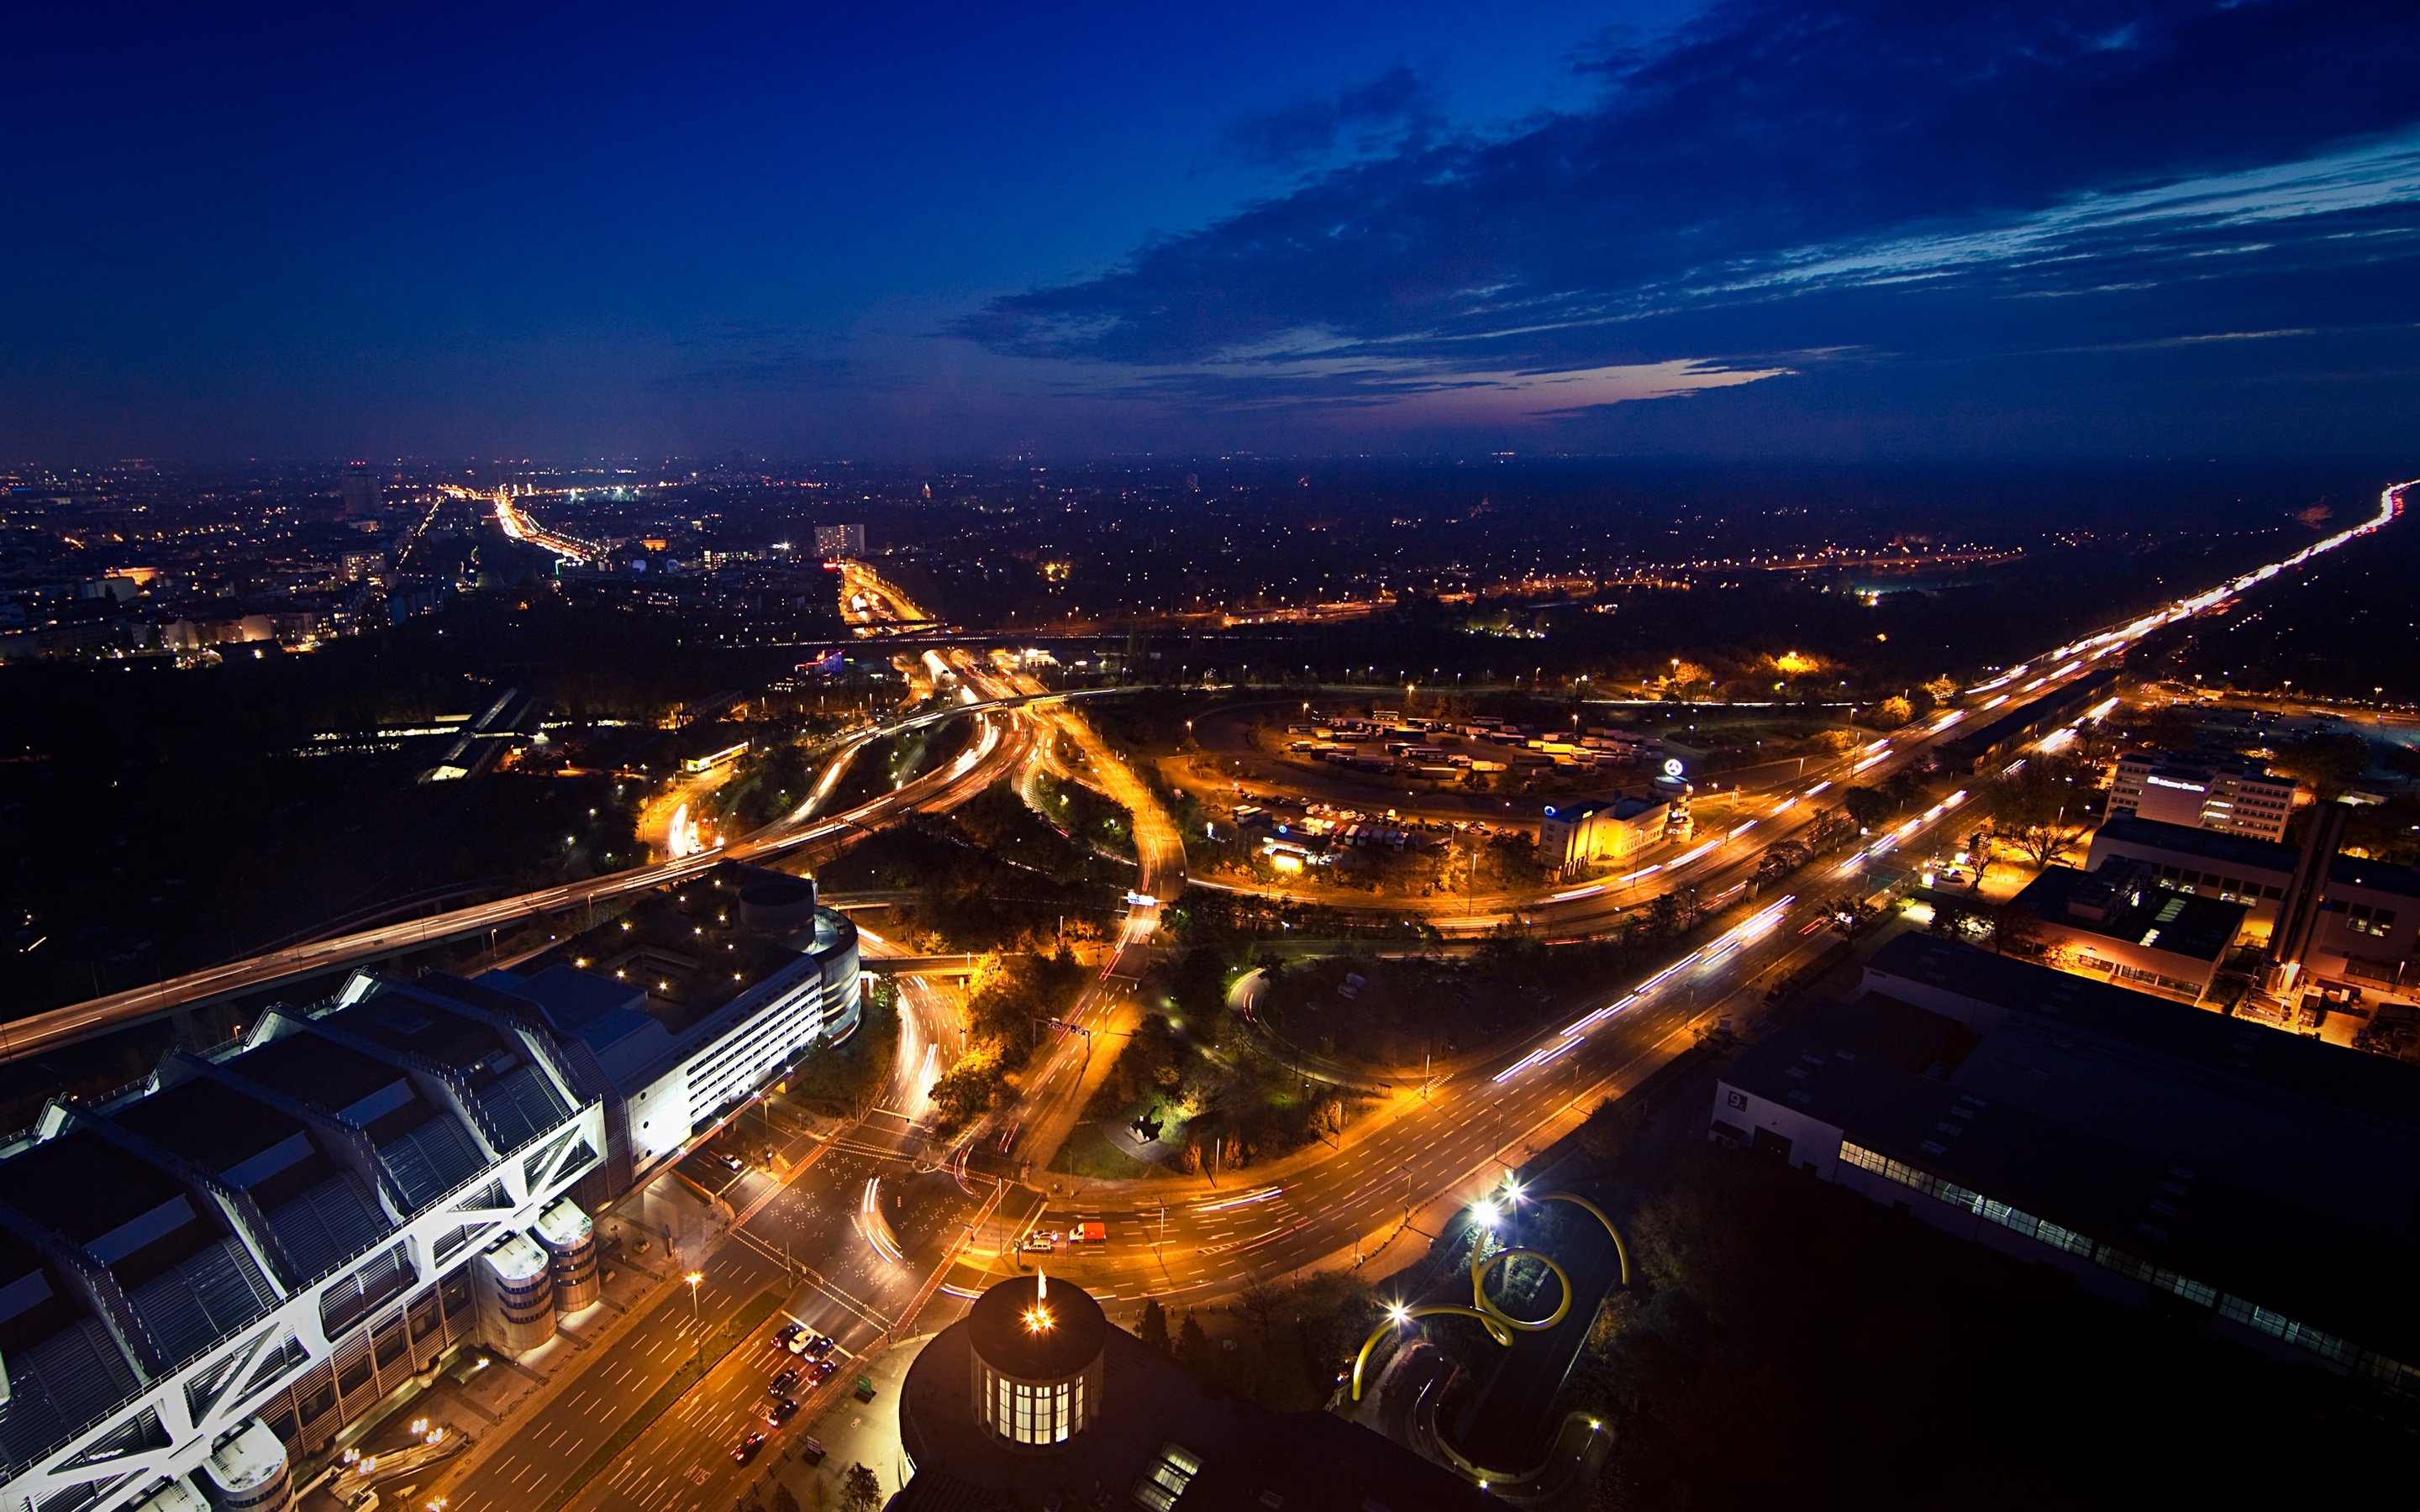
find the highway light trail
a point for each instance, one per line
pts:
(1891, 842)
(2390, 504)
(1247, 1200)
(875, 1228)
(1756, 926)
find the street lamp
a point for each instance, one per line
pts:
(695, 1324)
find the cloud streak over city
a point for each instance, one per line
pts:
(1903, 181)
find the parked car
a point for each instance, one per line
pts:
(746, 1448)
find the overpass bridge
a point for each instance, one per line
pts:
(37, 1032)
(922, 965)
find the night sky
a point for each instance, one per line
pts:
(2044, 229)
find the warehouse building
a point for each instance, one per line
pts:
(2257, 1180)
(225, 1264)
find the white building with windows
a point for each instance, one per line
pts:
(2224, 793)
(218, 1269)
(226, 1263)
(667, 1068)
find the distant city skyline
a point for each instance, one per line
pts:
(1745, 229)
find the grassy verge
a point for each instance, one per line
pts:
(1088, 1153)
(749, 1320)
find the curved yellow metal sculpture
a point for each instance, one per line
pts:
(1397, 1317)
(1485, 1303)
(1620, 1250)
(1500, 1325)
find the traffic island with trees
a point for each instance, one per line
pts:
(988, 875)
(1196, 1089)
(1011, 1006)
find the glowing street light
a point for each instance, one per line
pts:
(693, 1278)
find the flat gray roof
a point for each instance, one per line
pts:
(2209, 844)
(2269, 1166)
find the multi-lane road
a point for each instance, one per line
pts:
(1001, 741)
(862, 1226)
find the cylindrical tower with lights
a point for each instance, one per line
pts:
(1034, 1364)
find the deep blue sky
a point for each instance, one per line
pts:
(1907, 228)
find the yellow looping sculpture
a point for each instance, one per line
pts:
(1480, 1300)
(1500, 1324)
(1620, 1250)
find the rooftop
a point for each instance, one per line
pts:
(85, 1188)
(2122, 901)
(686, 949)
(2251, 1160)
(1249, 1459)
(1920, 966)
(2216, 762)
(2209, 844)
(2377, 876)
(210, 1123)
(1001, 1321)
(317, 1071)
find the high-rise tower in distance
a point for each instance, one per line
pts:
(359, 489)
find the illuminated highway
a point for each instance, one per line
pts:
(1000, 744)
(863, 1228)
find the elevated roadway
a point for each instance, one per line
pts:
(1002, 743)
(860, 1234)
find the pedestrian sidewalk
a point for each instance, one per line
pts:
(851, 1432)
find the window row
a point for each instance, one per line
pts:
(2276, 1326)
(1037, 1414)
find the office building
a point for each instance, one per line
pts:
(2205, 863)
(1034, 1400)
(2218, 792)
(360, 491)
(1572, 834)
(678, 1012)
(834, 541)
(225, 1264)
(2255, 1179)
(2354, 925)
(2117, 921)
